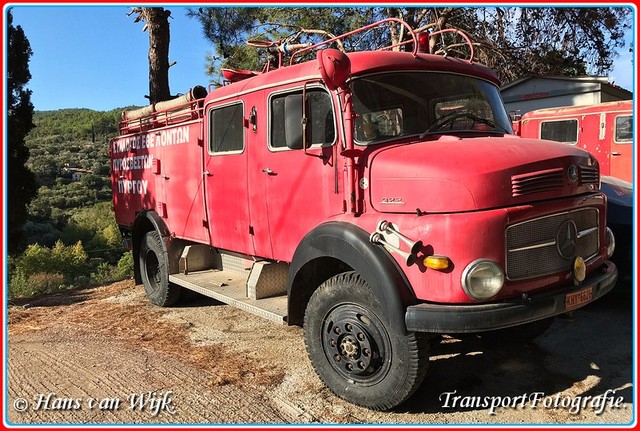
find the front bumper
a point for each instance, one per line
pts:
(451, 319)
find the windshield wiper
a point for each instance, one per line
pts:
(451, 117)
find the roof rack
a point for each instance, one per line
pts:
(413, 39)
(419, 40)
(286, 46)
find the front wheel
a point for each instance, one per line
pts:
(355, 351)
(154, 271)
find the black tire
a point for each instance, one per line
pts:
(518, 334)
(354, 350)
(155, 273)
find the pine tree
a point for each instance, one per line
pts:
(21, 183)
(157, 22)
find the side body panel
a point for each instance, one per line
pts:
(161, 170)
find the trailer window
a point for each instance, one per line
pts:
(320, 121)
(565, 131)
(226, 132)
(624, 131)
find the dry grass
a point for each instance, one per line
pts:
(141, 326)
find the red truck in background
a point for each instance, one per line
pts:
(603, 129)
(374, 198)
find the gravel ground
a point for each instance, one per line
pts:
(107, 356)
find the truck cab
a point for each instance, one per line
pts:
(375, 198)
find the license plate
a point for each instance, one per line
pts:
(576, 299)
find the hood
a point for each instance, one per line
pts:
(453, 174)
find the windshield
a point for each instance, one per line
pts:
(397, 104)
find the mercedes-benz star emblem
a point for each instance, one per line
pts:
(572, 173)
(567, 239)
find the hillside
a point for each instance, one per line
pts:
(69, 157)
(71, 237)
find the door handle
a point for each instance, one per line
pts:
(615, 153)
(268, 171)
(207, 173)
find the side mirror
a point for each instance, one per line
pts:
(335, 67)
(293, 131)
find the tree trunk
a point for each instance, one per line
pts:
(158, 25)
(157, 22)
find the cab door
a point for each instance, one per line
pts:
(301, 188)
(225, 173)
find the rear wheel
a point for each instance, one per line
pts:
(354, 350)
(154, 271)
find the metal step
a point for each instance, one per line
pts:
(231, 288)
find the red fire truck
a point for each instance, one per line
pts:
(603, 129)
(375, 198)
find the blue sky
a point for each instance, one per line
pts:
(96, 56)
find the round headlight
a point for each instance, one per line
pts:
(482, 279)
(611, 243)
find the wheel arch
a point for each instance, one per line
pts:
(147, 221)
(336, 247)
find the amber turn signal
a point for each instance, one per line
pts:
(437, 262)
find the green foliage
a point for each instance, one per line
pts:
(68, 260)
(43, 233)
(125, 265)
(20, 180)
(106, 273)
(59, 252)
(75, 125)
(514, 41)
(36, 284)
(96, 227)
(40, 270)
(44, 270)
(69, 218)
(228, 29)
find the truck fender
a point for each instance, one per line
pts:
(147, 221)
(336, 247)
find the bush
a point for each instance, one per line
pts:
(125, 265)
(106, 273)
(40, 268)
(36, 284)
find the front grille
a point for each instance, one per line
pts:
(548, 245)
(550, 180)
(537, 182)
(589, 174)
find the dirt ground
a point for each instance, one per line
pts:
(106, 355)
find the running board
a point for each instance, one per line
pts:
(230, 288)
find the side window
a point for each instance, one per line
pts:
(565, 131)
(226, 131)
(624, 129)
(320, 121)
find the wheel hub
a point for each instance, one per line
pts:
(353, 344)
(349, 347)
